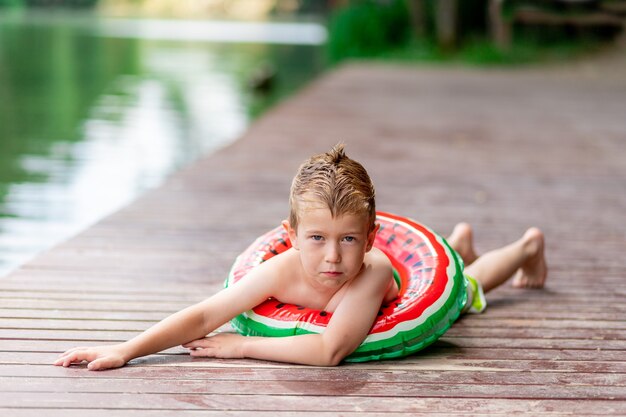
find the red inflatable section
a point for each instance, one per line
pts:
(415, 253)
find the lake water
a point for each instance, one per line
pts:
(93, 111)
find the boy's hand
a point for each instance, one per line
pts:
(98, 358)
(222, 345)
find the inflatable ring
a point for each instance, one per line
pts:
(432, 292)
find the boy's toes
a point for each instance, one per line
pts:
(520, 281)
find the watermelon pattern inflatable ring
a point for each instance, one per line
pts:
(432, 292)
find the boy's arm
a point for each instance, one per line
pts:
(174, 330)
(348, 327)
(186, 325)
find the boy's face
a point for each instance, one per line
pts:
(331, 249)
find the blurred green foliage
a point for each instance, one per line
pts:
(368, 28)
(11, 3)
(381, 29)
(48, 3)
(472, 17)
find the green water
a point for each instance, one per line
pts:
(89, 120)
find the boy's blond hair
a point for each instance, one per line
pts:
(335, 180)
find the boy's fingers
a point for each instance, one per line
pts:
(107, 362)
(70, 359)
(70, 351)
(97, 365)
(196, 343)
(95, 358)
(79, 356)
(63, 356)
(201, 352)
(59, 360)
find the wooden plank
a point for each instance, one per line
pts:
(292, 402)
(173, 280)
(342, 373)
(84, 294)
(486, 321)
(598, 344)
(588, 349)
(87, 325)
(536, 333)
(81, 412)
(442, 349)
(54, 314)
(20, 385)
(540, 17)
(415, 363)
(93, 305)
(122, 335)
(55, 285)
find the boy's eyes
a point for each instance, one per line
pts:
(318, 238)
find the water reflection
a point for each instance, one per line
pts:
(216, 31)
(87, 121)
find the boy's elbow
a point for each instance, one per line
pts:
(330, 359)
(334, 354)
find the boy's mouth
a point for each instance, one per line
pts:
(332, 273)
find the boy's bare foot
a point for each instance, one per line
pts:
(461, 241)
(533, 272)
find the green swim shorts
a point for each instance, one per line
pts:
(476, 302)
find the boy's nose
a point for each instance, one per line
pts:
(333, 254)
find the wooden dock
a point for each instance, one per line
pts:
(503, 150)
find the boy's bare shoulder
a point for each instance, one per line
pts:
(380, 274)
(282, 267)
(377, 258)
(377, 266)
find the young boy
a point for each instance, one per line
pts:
(332, 266)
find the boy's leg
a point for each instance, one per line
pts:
(495, 267)
(461, 241)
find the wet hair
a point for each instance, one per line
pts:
(334, 180)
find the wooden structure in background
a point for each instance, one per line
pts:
(607, 13)
(446, 21)
(502, 150)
